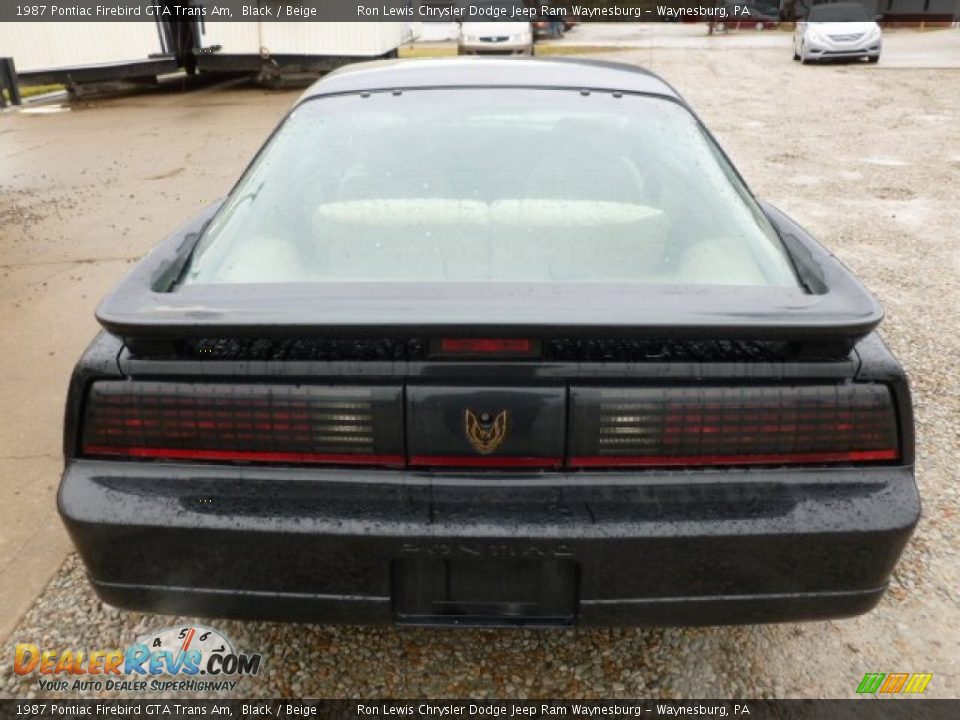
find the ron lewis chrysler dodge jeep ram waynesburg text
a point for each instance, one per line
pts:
(488, 341)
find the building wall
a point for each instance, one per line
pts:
(917, 9)
(360, 39)
(45, 45)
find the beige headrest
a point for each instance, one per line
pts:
(403, 211)
(443, 211)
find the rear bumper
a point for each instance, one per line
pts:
(658, 548)
(356, 610)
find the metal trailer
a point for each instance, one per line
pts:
(80, 54)
(73, 53)
(276, 50)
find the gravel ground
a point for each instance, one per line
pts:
(867, 159)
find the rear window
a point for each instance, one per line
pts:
(490, 185)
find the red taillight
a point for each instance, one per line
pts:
(745, 459)
(484, 461)
(244, 423)
(487, 346)
(732, 426)
(608, 426)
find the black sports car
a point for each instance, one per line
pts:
(421, 366)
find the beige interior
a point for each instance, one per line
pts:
(719, 261)
(451, 239)
(523, 240)
(264, 260)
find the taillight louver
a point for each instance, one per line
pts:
(267, 423)
(729, 426)
(609, 427)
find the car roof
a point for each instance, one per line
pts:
(491, 72)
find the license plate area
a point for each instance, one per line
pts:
(483, 592)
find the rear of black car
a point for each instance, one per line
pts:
(491, 394)
(673, 482)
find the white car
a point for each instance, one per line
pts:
(492, 36)
(837, 31)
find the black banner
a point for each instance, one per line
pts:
(347, 10)
(358, 10)
(391, 10)
(863, 709)
(407, 10)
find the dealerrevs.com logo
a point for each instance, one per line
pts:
(186, 658)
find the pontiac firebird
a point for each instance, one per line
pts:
(482, 341)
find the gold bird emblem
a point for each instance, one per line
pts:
(485, 434)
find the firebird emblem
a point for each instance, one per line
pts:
(486, 434)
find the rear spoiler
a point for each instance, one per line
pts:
(146, 308)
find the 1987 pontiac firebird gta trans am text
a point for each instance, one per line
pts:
(484, 341)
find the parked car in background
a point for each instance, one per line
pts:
(738, 15)
(492, 37)
(837, 31)
(549, 28)
(749, 16)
